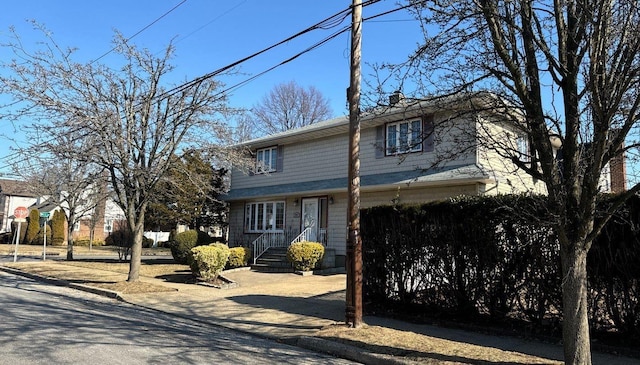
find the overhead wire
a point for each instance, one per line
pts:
(141, 30)
(327, 23)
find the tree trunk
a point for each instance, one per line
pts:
(575, 329)
(136, 253)
(70, 239)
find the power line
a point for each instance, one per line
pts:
(141, 30)
(327, 23)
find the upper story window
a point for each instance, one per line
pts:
(266, 160)
(404, 137)
(264, 216)
(522, 144)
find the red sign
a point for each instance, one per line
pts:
(21, 212)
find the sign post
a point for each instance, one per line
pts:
(45, 215)
(20, 214)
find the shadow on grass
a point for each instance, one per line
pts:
(419, 356)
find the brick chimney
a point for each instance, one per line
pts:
(618, 171)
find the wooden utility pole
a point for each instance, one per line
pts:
(354, 241)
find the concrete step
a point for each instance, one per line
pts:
(269, 268)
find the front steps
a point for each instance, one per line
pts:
(273, 260)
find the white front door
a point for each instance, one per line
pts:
(310, 217)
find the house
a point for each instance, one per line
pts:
(410, 152)
(13, 194)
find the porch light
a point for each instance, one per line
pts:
(295, 202)
(331, 200)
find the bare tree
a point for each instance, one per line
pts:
(567, 74)
(130, 122)
(72, 185)
(289, 106)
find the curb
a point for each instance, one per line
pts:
(348, 352)
(60, 282)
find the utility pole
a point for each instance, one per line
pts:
(354, 241)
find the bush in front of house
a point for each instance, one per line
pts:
(39, 240)
(181, 246)
(305, 255)
(33, 227)
(57, 228)
(238, 257)
(208, 261)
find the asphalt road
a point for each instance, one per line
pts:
(46, 324)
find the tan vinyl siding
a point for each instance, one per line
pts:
(509, 179)
(317, 159)
(327, 158)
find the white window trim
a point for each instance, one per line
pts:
(261, 166)
(251, 220)
(412, 145)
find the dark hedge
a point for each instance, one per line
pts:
(495, 259)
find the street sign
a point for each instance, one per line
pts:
(45, 214)
(21, 212)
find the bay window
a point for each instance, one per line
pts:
(264, 216)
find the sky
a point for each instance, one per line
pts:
(210, 34)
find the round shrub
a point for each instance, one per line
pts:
(182, 245)
(208, 261)
(238, 257)
(305, 255)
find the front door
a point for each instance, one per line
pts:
(310, 215)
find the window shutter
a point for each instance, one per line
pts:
(280, 159)
(379, 145)
(427, 132)
(251, 155)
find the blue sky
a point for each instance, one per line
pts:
(209, 34)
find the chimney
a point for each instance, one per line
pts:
(618, 171)
(396, 98)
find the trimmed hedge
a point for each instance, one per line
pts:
(208, 261)
(238, 257)
(305, 255)
(497, 258)
(182, 245)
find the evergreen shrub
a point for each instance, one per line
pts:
(208, 261)
(33, 227)
(182, 245)
(305, 255)
(238, 257)
(57, 228)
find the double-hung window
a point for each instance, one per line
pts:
(264, 216)
(266, 160)
(522, 144)
(404, 137)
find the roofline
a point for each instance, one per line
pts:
(404, 109)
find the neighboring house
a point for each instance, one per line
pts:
(409, 153)
(104, 219)
(13, 194)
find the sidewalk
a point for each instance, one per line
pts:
(293, 309)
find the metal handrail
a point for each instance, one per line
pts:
(303, 236)
(266, 240)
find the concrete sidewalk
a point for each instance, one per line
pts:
(289, 308)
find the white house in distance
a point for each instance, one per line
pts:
(409, 153)
(13, 194)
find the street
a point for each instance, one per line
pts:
(46, 324)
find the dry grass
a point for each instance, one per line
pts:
(424, 349)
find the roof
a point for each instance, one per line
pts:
(437, 176)
(15, 188)
(379, 116)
